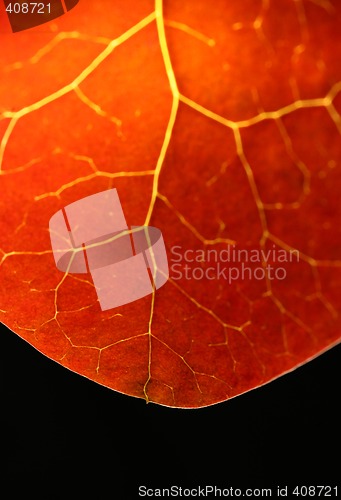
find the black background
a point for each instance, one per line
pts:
(64, 433)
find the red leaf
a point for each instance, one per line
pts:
(216, 125)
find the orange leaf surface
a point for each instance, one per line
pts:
(218, 125)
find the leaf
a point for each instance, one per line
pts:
(219, 126)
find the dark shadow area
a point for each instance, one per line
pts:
(24, 15)
(59, 426)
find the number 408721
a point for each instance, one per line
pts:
(29, 8)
